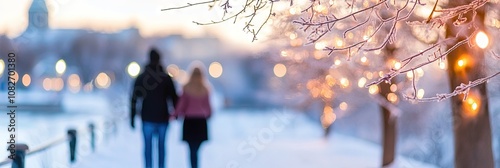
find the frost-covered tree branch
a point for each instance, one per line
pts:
(254, 13)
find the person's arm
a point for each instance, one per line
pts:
(207, 105)
(172, 93)
(181, 106)
(133, 103)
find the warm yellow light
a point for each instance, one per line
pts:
(337, 62)
(350, 35)
(343, 106)
(369, 75)
(394, 88)
(2, 67)
(26, 80)
(102, 81)
(327, 93)
(293, 36)
(284, 53)
(133, 69)
(420, 72)
(344, 82)
(173, 70)
(15, 76)
(392, 97)
(373, 89)
(471, 106)
(339, 42)
(320, 45)
(409, 74)
(320, 8)
(361, 82)
(397, 65)
(279, 70)
(47, 84)
(420, 93)
(60, 66)
(482, 40)
(330, 80)
(364, 59)
(442, 65)
(461, 63)
(381, 74)
(215, 69)
(74, 83)
(57, 84)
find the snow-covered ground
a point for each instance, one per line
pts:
(246, 139)
(242, 138)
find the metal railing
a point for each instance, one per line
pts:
(22, 151)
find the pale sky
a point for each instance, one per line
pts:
(114, 15)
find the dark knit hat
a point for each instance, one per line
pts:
(154, 56)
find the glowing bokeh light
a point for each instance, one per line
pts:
(47, 84)
(279, 70)
(102, 81)
(133, 69)
(57, 84)
(215, 69)
(26, 80)
(361, 82)
(60, 66)
(482, 40)
(392, 97)
(74, 83)
(373, 89)
(343, 106)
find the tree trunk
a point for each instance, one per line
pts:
(389, 129)
(471, 121)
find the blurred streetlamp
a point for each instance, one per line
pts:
(26, 80)
(133, 69)
(60, 66)
(102, 81)
(279, 70)
(215, 69)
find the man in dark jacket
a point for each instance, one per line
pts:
(154, 87)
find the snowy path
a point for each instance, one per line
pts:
(241, 139)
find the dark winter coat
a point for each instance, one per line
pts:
(154, 87)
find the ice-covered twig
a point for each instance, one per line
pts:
(461, 89)
(190, 5)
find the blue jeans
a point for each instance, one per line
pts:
(150, 129)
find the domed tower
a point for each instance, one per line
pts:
(38, 17)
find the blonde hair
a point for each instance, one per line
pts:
(197, 83)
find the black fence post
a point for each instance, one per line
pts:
(92, 136)
(72, 144)
(20, 151)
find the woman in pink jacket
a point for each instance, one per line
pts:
(194, 106)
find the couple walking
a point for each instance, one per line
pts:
(154, 87)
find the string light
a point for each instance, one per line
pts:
(482, 40)
(392, 97)
(344, 82)
(343, 106)
(420, 93)
(373, 89)
(361, 82)
(461, 63)
(393, 88)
